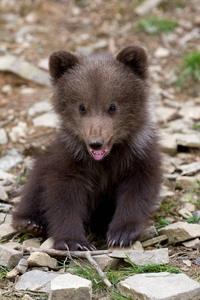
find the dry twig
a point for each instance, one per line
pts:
(81, 254)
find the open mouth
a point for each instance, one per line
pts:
(99, 154)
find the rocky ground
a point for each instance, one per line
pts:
(30, 32)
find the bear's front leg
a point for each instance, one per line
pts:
(135, 202)
(66, 212)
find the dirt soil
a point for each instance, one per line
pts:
(35, 29)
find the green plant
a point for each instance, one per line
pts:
(192, 219)
(167, 204)
(155, 25)
(162, 224)
(24, 237)
(196, 126)
(190, 69)
(3, 271)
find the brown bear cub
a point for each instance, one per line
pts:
(103, 169)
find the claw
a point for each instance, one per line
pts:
(121, 244)
(79, 246)
(66, 246)
(131, 243)
(109, 244)
(113, 243)
(85, 248)
(93, 248)
(29, 222)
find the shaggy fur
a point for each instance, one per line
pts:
(103, 169)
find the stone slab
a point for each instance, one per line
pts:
(72, 287)
(35, 281)
(180, 231)
(160, 286)
(9, 257)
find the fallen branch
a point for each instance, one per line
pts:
(61, 253)
(69, 254)
(94, 264)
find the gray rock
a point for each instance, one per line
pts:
(24, 69)
(12, 245)
(72, 287)
(22, 266)
(189, 206)
(9, 257)
(146, 7)
(158, 257)
(185, 181)
(168, 143)
(188, 140)
(191, 112)
(36, 281)
(40, 259)
(3, 137)
(161, 52)
(178, 125)
(6, 232)
(185, 213)
(46, 120)
(40, 107)
(165, 114)
(137, 246)
(44, 64)
(25, 33)
(194, 244)
(10, 160)
(104, 261)
(4, 207)
(160, 286)
(5, 218)
(165, 192)
(189, 168)
(27, 91)
(142, 258)
(13, 273)
(5, 176)
(197, 261)
(34, 242)
(3, 194)
(154, 241)
(148, 233)
(7, 89)
(197, 214)
(18, 132)
(27, 297)
(180, 231)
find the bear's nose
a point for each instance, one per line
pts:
(96, 143)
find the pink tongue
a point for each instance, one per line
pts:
(99, 154)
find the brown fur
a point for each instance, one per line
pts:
(68, 189)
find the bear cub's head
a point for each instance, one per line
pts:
(101, 99)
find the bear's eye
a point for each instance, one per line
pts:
(82, 109)
(112, 109)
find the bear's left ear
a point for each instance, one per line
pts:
(60, 62)
(135, 58)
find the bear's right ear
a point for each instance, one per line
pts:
(136, 59)
(60, 62)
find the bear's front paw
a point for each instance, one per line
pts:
(123, 236)
(74, 245)
(28, 226)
